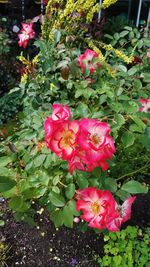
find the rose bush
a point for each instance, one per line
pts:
(85, 164)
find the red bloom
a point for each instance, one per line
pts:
(100, 209)
(85, 144)
(77, 161)
(145, 105)
(86, 60)
(95, 204)
(93, 138)
(26, 33)
(61, 137)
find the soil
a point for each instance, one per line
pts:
(49, 247)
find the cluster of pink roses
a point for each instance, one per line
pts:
(85, 143)
(100, 209)
(26, 33)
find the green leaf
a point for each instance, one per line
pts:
(139, 122)
(72, 205)
(6, 183)
(132, 71)
(82, 181)
(56, 180)
(123, 195)
(119, 120)
(137, 84)
(124, 33)
(57, 218)
(18, 204)
(145, 141)
(70, 191)
(48, 161)
(38, 161)
(111, 184)
(4, 161)
(147, 132)
(57, 36)
(134, 187)
(82, 110)
(56, 199)
(67, 216)
(128, 139)
(116, 36)
(122, 68)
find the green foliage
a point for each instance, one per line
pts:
(129, 39)
(10, 104)
(4, 43)
(127, 248)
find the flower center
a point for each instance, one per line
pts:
(95, 207)
(67, 139)
(95, 139)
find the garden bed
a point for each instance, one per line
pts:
(44, 245)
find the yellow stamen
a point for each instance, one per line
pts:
(95, 207)
(68, 139)
(95, 139)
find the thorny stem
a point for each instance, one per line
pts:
(131, 173)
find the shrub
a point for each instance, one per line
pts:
(95, 88)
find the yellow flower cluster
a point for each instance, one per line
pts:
(118, 53)
(100, 55)
(66, 14)
(110, 70)
(108, 3)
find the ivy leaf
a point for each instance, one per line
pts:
(56, 199)
(134, 187)
(6, 183)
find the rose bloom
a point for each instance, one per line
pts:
(85, 61)
(95, 204)
(93, 137)
(60, 112)
(100, 209)
(85, 144)
(145, 105)
(61, 137)
(26, 33)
